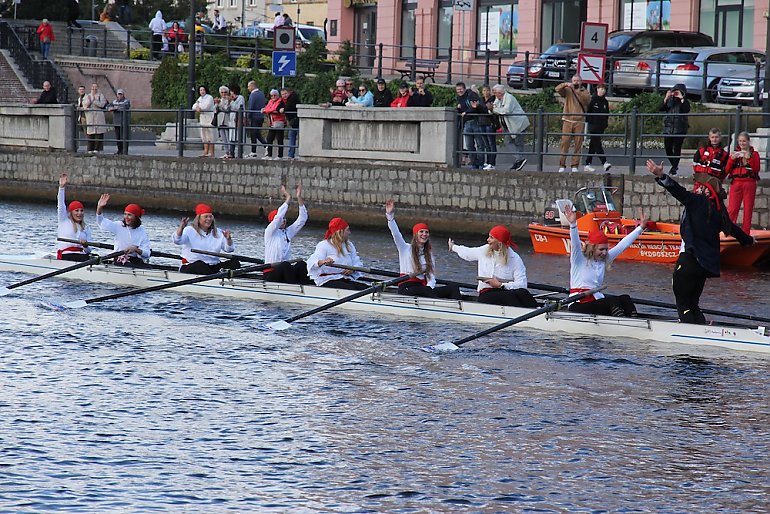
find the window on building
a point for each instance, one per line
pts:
(252, 3)
(220, 3)
(561, 21)
(444, 40)
(497, 26)
(645, 14)
(408, 30)
(233, 3)
(729, 22)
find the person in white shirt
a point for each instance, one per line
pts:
(502, 275)
(72, 225)
(414, 256)
(158, 28)
(202, 234)
(130, 236)
(220, 25)
(278, 239)
(278, 22)
(588, 265)
(336, 248)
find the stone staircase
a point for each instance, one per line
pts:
(13, 87)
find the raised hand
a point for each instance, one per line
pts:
(102, 202)
(655, 168)
(390, 206)
(228, 235)
(298, 192)
(183, 222)
(63, 180)
(643, 218)
(285, 193)
(451, 244)
(570, 214)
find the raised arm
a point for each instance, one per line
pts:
(390, 215)
(293, 229)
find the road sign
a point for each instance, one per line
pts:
(284, 38)
(284, 64)
(590, 68)
(463, 5)
(593, 37)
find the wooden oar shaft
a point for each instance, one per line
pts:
(84, 264)
(244, 258)
(110, 247)
(353, 296)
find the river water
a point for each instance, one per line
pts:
(172, 403)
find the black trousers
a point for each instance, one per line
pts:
(275, 135)
(201, 268)
(255, 134)
(595, 148)
(119, 140)
(610, 305)
(689, 280)
(417, 289)
(343, 283)
(157, 45)
(673, 144)
(288, 273)
(509, 297)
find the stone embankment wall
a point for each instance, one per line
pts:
(451, 200)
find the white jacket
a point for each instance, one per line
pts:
(277, 240)
(126, 236)
(405, 261)
(321, 275)
(192, 239)
(513, 275)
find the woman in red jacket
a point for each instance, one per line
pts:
(275, 110)
(45, 33)
(743, 167)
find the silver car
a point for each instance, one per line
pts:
(687, 66)
(741, 88)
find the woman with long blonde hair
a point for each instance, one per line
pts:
(336, 248)
(72, 225)
(202, 234)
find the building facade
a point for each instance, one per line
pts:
(439, 28)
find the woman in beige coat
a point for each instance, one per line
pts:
(204, 106)
(96, 125)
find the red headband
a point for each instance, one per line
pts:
(75, 205)
(503, 235)
(202, 208)
(272, 215)
(597, 237)
(335, 225)
(418, 227)
(134, 209)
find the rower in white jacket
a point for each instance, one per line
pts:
(72, 225)
(336, 248)
(130, 236)
(202, 234)
(501, 272)
(414, 256)
(278, 239)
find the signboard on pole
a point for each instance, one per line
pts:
(284, 38)
(590, 68)
(462, 5)
(593, 37)
(284, 64)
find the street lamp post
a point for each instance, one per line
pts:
(766, 89)
(191, 44)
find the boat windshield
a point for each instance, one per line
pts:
(595, 200)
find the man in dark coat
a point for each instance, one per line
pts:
(255, 117)
(382, 95)
(48, 96)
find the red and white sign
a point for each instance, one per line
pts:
(593, 37)
(590, 68)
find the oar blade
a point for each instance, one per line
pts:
(440, 348)
(278, 325)
(76, 304)
(4, 291)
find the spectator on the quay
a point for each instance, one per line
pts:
(419, 96)
(743, 169)
(382, 97)
(121, 121)
(73, 11)
(96, 124)
(573, 118)
(290, 101)
(206, 109)
(365, 98)
(287, 21)
(486, 151)
(80, 110)
(350, 89)
(486, 94)
(402, 100)
(46, 36)
(597, 119)
(675, 124)
(469, 125)
(237, 108)
(176, 37)
(219, 25)
(490, 130)
(278, 22)
(224, 119)
(513, 122)
(276, 116)
(338, 95)
(158, 28)
(48, 95)
(256, 117)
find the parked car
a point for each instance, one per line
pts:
(742, 88)
(689, 66)
(516, 70)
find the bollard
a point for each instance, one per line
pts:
(633, 138)
(540, 138)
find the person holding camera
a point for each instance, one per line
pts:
(419, 96)
(576, 99)
(743, 168)
(675, 124)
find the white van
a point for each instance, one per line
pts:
(305, 33)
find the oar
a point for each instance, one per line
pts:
(90, 262)
(110, 247)
(243, 258)
(77, 304)
(284, 324)
(665, 305)
(386, 273)
(454, 345)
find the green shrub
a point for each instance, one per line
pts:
(345, 56)
(142, 54)
(244, 61)
(169, 85)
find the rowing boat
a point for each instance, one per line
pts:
(660, 243)
(755, 339)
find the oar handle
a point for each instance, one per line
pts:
(243, 258)
(110, 247)
(386, 273)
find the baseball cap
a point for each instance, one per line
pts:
(381, 81)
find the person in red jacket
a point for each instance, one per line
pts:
(276, 115)
(403, 96)
(743, 168)
(45, 33)
(712, 158)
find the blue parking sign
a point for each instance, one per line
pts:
(284, 64)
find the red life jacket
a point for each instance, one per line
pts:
(711, 160)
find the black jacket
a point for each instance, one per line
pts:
(701, 223)
(382, 98)
(291, 109)
(675, 122)
(48, 97)
(418, 100)
(596, 113)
